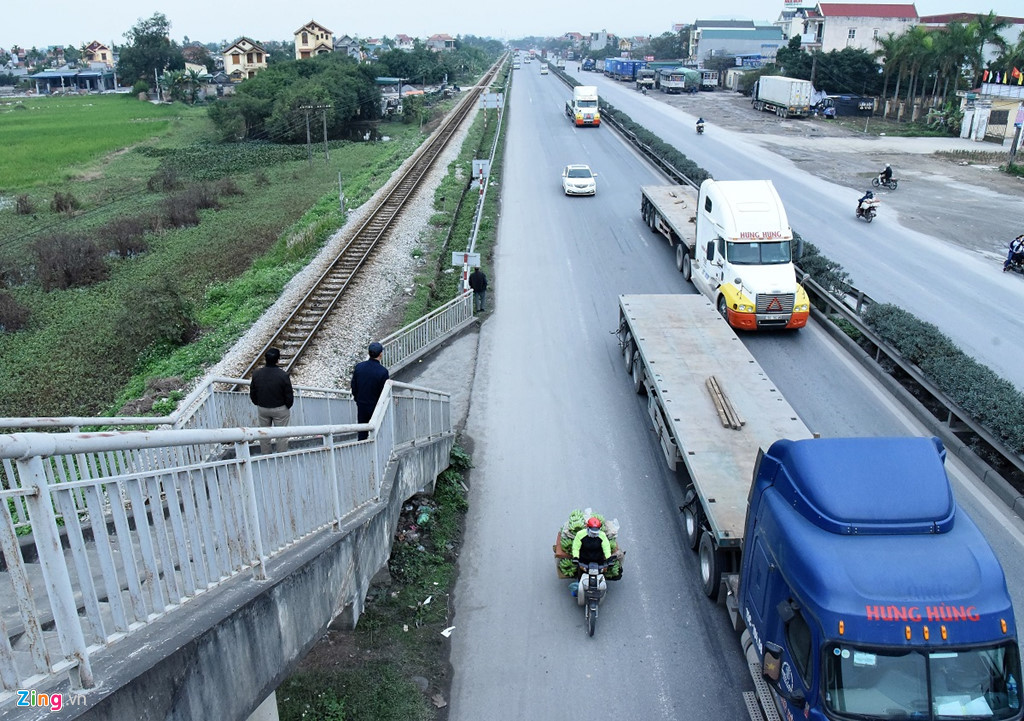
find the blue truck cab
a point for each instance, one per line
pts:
(866, 591)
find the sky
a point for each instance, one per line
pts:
(73, 22)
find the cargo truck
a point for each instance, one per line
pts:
(733, 242)
(862, 590)
(645, 79)
(678, 80)
(786, 97)
(583, 108)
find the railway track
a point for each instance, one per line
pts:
(297, 332)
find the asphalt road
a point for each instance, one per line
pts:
(963, 293)
(554, 425)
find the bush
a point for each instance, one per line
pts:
(11, 272)
(227, 187)
(13, 315)
(182, 209)
(140, 87)
(65, 261)
(64, 203)
(124, 236)
(167, 178)
(827, 273)
(24, 205)
(156, 312)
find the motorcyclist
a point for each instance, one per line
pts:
(591, 545)
(1016, 252)
(886, 175)
(700, 125)
(863, 199)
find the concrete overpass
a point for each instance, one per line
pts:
(176, 574)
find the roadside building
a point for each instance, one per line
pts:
(243, 59)
(404, 43)
(313, 39)
(349, 47)
(835, 26)
(714, 38)
(97, 78)
(97, 52)
(440, 43)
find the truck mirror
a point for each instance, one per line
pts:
(772, 661)
(711, 250)
(786, 611)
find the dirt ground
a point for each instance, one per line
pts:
(957, 194)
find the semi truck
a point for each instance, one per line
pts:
(625, 69)
(733, 242)
(645, 79)
(786, 97)
(583, 108)
(860, 589)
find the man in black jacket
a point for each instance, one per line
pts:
(271, 391)
(478, 282)
(368, 380)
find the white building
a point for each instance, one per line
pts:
(834, 26)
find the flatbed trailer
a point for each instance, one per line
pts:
(672, 211)
(712, 406)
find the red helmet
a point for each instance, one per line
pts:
(593, 522)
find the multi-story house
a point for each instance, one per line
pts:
(834, 26)
(404, 43)
(349, 47)
(243, 59)
(441, 42)
(97, 52)
(313, 39)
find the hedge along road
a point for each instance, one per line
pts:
(962, 292)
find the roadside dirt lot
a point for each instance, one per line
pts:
(958, 195)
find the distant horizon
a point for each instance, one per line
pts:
(73, 24)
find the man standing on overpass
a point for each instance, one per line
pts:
(368, 380)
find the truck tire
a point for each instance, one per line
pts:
(693, 522)
(638, 375)
(723, 308)
(710, 567)
(627, 351)
(680, 254)
(687, 268)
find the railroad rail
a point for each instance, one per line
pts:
(298, 331)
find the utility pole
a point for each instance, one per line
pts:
(309, 136)
(327, 151)
(814, 67)
(309, 139)
(156, 78)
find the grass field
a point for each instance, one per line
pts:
(45, 138)
(83, 346)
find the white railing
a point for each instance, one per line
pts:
(423, 335)
(129, 525)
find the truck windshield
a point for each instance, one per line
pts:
(982, 683)
(586, 103)
(773, 253)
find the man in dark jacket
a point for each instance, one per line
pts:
(271, 391)
(478, 282)
(368, 380)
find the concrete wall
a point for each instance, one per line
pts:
(836, 34)
(221, 655)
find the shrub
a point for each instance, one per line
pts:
(167, 178)
(124, 236)
(65, 261)
(64, 203)
(11, 272)
(182, 209)
(24, 205)
(156, 312)
(140, 87)
(228, 187)
(13, 315)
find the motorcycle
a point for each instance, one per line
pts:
(592, 589)
(700, 128)
(1015, 263)
(868, 209)
(878, 182)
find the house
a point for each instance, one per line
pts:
(349, 47)
(576, 40)
(1010, 34)
(404, 43)
(243, 59)
(834, 26)
(440, 43)
(312, 39)
(600, 40)
(793, 21)
(68, 79)
(97, 52)
(711, 38)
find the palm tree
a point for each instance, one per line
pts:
(1012, 56)
(987, 29)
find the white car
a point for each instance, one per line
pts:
(579, 180)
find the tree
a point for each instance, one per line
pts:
(670, 46)
(149, 49)
(72, 55)
(987, 30)
(793, 61)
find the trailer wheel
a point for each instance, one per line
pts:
(693, 522)
(638, 375)
(710, 567)
(680, 254)
(627, 351)
(687, 268)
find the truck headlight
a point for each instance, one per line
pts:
(745, 308)
(802, 308)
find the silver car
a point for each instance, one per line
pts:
(579, 180)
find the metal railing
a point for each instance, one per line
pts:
(129, 525)
(424, 334)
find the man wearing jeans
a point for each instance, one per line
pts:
(271, 391)
(478, 282)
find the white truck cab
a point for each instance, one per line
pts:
(743, 256)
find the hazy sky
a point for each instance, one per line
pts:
(74, 22)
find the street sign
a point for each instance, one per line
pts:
(489, 101)
(462, 258)
(481, 164)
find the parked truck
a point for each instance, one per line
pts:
(583, 108)
(645, 79)
(861, 589)
(678, 80)
(786, 97)
(733, 242)
(708, 79)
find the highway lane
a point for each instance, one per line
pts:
(554, 425)
(962, 292)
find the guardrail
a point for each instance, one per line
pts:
(152, 519)
(952, 422)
